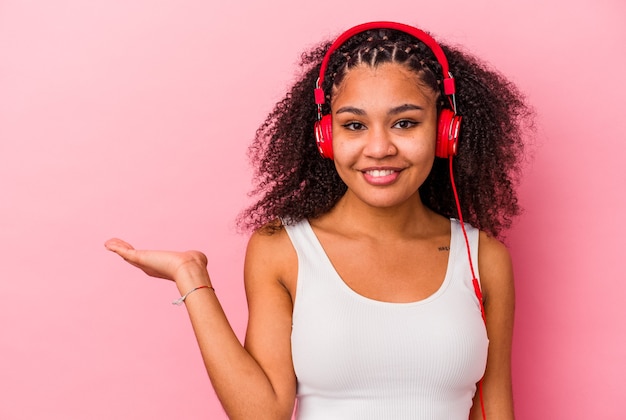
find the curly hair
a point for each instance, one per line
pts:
(295, 182)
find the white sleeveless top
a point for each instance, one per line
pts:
(358, 358)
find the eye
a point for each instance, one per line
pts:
(354, 126)
(404, 124)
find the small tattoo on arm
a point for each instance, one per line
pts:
(444, 248)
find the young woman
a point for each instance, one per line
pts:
(362, 282)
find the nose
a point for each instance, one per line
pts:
(379, 144)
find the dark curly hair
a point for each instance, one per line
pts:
(294, 182)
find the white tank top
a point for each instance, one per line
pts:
(358, 358)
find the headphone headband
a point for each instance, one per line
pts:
(448, 81)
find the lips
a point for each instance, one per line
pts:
(380, 176)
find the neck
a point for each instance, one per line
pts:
(410, 218)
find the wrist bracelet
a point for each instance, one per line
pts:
(181, 299)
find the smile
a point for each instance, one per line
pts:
(376, 173)
(381, 177)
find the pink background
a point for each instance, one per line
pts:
(132, 118)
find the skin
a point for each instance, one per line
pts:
(384, 128)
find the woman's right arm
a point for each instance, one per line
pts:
(256, 381)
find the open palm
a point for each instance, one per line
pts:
(162, 264)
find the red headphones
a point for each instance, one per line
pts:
(449, 123)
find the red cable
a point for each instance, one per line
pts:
(475, 283)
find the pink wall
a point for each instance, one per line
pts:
(131, 118)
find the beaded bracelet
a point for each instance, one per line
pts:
(181, 299)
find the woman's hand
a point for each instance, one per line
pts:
(167, 265)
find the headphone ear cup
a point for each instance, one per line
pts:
(448, 130)
(324, 136)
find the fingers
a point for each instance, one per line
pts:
(131, 255)
(123, 249)
(116, 243)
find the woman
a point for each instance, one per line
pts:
(362, 285)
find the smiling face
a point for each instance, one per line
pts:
(384, 131)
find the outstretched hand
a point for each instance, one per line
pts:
(167, 265)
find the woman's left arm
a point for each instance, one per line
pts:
(496, 278)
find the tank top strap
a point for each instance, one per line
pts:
(307, 246)
(312, 259)
(460, 256)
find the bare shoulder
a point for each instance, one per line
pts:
(270, 257)
(494, 265)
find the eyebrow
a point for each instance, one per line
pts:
(393, 111)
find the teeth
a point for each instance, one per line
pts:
(377, 173)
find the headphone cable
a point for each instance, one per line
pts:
(475, 283)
